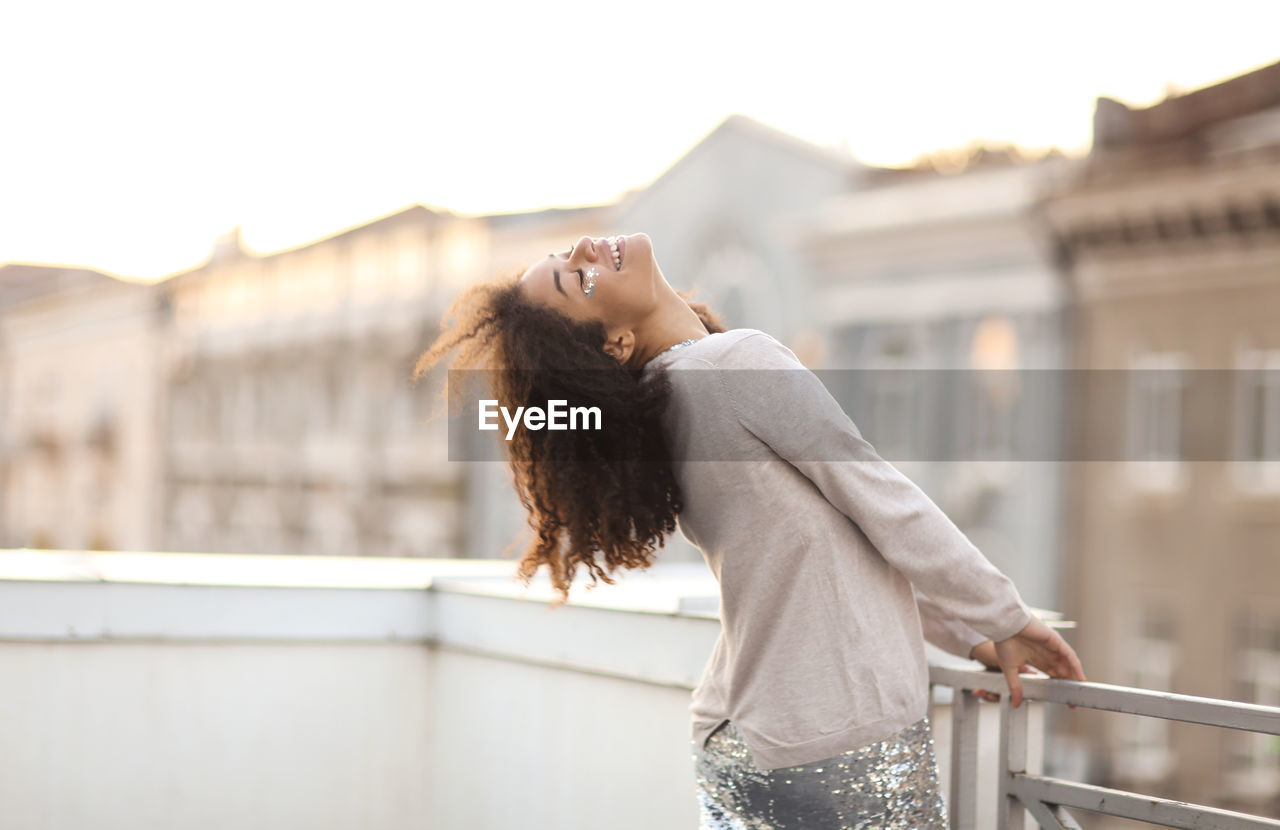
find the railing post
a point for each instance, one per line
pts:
(1010, 814)
(1028, 798)
(962, 806)
(1036, 714)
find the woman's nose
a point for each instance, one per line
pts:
(587, 248)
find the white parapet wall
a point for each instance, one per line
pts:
(215, 691)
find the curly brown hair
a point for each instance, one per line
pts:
(611, 490)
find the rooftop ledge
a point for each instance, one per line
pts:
(667, 588)
(653, 626)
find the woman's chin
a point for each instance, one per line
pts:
(639, 244)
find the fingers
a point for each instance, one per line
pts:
(1068, 664)
(1037, 648)
(1077, 670)
(1015, 686)
(1074, 671)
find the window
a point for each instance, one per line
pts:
(992, 390)
(1154, 420)
(1253, 759)
(241, 395)
(260, 392)
(1143, 750)
(1256, 426)
(892, 354)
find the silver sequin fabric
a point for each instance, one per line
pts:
(889, 784)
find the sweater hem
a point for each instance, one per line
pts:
(767, 758)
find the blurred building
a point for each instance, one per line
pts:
(929, 284)
(78, 386)
(290, 425)
(1172, 233)
(721, 220)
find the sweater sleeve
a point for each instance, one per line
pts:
(945, 631)
(781, 402)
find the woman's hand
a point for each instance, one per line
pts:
(1040, 646)
(985, 653)
(1036, 645)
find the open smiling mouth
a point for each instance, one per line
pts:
(618, 247)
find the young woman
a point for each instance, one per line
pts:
(833, 567)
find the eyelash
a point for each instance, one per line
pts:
(581, 277)
(568, 254)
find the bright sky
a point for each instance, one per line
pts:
(134, 132)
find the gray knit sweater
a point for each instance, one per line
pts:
(833, 566)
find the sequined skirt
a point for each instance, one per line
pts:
(889, 784)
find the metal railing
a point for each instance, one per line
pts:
(1046, 798)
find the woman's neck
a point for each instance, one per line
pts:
(673, 323)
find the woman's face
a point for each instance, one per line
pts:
(624, 293)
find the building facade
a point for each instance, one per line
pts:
(290, 425)
(941, 296)
(79, 464)
(1172, 233)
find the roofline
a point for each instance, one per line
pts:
(766, 132)
(1177, 117)
(66, 266)
(428, 214)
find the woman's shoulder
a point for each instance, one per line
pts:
(741, 348)
(755, 349)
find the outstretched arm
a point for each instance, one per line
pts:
(791, 411)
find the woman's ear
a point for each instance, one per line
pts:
(621, 345)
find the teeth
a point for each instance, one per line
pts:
(617, 257)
